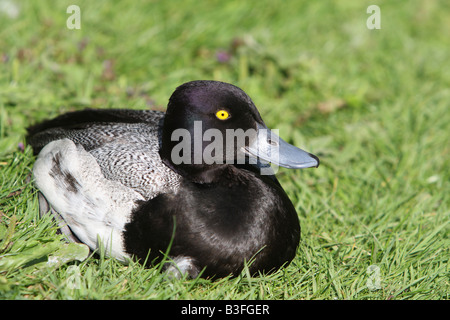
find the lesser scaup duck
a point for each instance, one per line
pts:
(143, 184)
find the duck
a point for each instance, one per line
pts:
(194, 186)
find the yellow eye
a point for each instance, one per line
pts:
(222, 115)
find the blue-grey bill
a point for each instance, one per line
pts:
(269, 147)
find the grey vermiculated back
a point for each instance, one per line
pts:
(125, 149)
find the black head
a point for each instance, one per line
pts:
(196, 122)
(211, 124)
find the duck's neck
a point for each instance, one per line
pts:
(198, 173)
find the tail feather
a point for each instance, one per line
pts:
(91, 206)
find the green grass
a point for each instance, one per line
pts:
(372, 104)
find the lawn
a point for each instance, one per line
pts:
(373, 104)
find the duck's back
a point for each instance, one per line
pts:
(125, 144)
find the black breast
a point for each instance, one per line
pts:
(220, 225)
